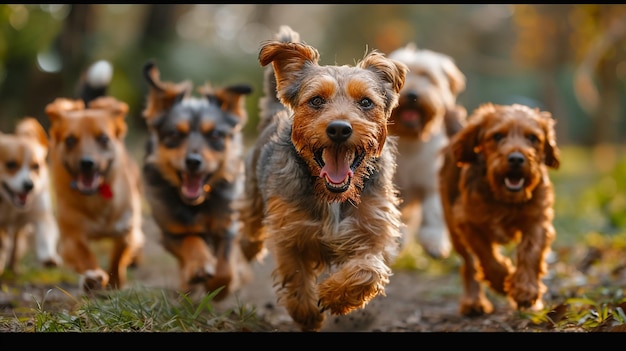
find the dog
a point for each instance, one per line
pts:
(319, 179)
(97, 185)
(427, 114)
(193, 172)
(25, 201)
(496, 191)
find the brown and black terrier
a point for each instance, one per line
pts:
(426, 115)
(193, 173)
(496, 190)
(319, 179)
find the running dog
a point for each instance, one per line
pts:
(97, 184)
(319, 180)
(496, 190)
(193, 173)
(426, 115)
(25, 202)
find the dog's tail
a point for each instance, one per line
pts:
(269, 104)
(95, 81)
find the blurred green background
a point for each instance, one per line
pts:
(567, 59)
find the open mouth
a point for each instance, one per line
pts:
(514, 182)
(338, 166)
(20, 199)
(88, 182)
(193, 185)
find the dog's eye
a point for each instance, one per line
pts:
(216, 139)
(71, 141)
(533, 138)
(317, 102)
(35, 167)
(103, 139)
(498, 136)
(366, 103)
(11, 165)
(172, 138)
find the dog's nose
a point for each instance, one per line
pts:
(411, 96)
(28, 185)
(516, 159)
(339, 131)
(193, 162)
(87, 164)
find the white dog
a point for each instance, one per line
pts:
(426, 114)
(25, 204)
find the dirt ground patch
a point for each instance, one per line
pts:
(415, 301)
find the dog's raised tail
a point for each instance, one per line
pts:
(95, 81)
(269, 104)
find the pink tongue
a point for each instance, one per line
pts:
(336, 170)
(192, 185)
(87, 182)
(409, 116)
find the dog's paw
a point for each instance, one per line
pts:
(93, 280)
(435, 242)
(52, 261)
(200, 274)
(475, 307)
(340, 298)
(306, 315)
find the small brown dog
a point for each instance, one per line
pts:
(25, 204)
(496, 190)
(426, 115)
(97, 185)
(320, 179)
(193, 172)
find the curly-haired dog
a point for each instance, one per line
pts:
(193, 172)
(25, 202)
(97, 185)
(426, 115)
(320, 179)
(496, 190)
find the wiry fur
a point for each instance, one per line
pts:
(97, 185)
(333, 231)
(496, 190)
(427, 113)
(193, 172)
(25, 203)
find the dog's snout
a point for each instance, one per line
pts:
(193, 162)
(87, 164)
(28, 185)
(339, 131)
(516, 159)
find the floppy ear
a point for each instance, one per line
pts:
(117, 111)
(464, 145)
(456, 78)
(552, 152)
(55, 111)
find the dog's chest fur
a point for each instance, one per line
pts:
(416, 169)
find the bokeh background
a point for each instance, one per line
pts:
(567, 59)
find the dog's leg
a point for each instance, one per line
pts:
(197, 264)
(474, 302)
(253, 235)
(5, 248)
(524, 287)
(224, 247)
(75, 252)
(46, 235)
(125, 250)
(433, 235)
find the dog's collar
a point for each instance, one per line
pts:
(104, 189)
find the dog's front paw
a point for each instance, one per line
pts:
(524, 295)
(52, 261)
(340, 298)
(93, 280)
(475, 307)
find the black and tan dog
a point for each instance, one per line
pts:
(319, 180)
(96, 181)
(193, 172)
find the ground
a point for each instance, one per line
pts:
(416, 300)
